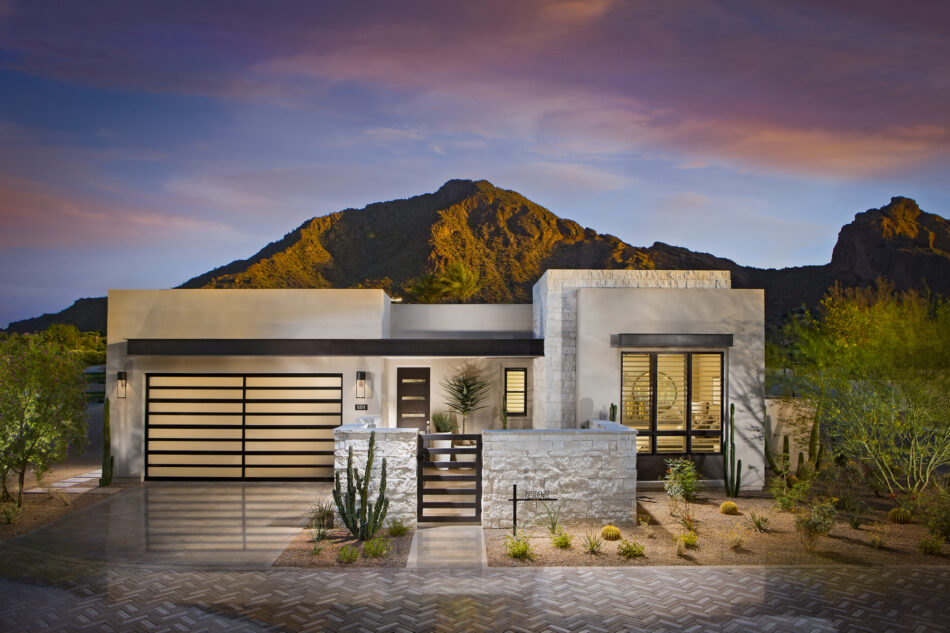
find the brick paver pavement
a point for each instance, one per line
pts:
(40, 593)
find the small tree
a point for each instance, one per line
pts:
(465, 392)
(42, 405)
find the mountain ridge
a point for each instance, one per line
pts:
(511, 240)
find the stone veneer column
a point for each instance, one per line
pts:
(399, 447)
(555, 320)
(592, 473)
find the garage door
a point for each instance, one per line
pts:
(241, 426)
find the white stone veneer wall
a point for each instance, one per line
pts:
(592, 473)
(399, 447)
(555, 320)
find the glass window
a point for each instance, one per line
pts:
(516, 391)
(674, 400)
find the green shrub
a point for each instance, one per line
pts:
(593, 543)
(610, 533)
(930, 545)
(681, 481)
(347, 554)
(899, 515)
(935, 508)
(11, 512)
(787, 497)
(377, 547)
(729, 507)
(518, 547)
(552, 517)
(689, 522)
(856, 518)
(690, 539)
(758, 522)
(815, 525)
(321, 513)
(442, 422)
(562, 540)
(880, 533)
(629, 549)
(646, 527)
(397, 528)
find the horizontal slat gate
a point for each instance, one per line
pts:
(449, 478)
(241, 426)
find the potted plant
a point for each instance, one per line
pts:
(464, 393)
(442, 423)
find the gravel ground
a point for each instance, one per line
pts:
(300, 551)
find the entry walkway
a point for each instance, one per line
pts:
(448, 546)
(42, 593)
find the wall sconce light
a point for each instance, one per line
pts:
(121, 384)
(361, 384)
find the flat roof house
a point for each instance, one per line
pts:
(250, 384)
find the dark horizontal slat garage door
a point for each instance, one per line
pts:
(241, 426)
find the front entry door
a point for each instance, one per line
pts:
(412, 397)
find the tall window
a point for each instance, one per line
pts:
(674, 400)
(516, 391)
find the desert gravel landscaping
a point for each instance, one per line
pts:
(781, 546)
(300, 551)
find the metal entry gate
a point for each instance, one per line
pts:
(449, 491)
(241, 426)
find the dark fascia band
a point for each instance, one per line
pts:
(336, 347)
(671, 340)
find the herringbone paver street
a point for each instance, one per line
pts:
(40, 593)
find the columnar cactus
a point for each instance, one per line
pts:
(364, 520)
(108, 461)
(731, 471)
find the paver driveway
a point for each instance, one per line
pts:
(40, 592)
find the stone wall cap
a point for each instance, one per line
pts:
(539, 432)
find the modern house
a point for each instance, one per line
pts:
(250, 384)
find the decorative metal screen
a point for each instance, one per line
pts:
(516, 391)
(241, 426)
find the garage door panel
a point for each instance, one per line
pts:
(242, 426)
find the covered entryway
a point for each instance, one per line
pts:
(449, 491)
(241, 426)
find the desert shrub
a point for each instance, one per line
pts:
(377, 547)
(321, 513)
(397, 528)
(787, 497)
(880, 535)
(10, 512)
(318, 534)
(729, 507)
(681, 481)
(680, 547)
(815, 524)
(552, 517)
(562, 540)
(646, 527)
(758, 522)
(688, 522)
(690, 540)
(518, 547)
(610, 533)
(347, 554)
(734, 537)
(930, 545)
(592, 543)
(899, 515)
(629, 549)
(791, 480)
(855, 518)
(935, 508)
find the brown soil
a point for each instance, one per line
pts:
(300, 551)
(782, 546)
(40, 509)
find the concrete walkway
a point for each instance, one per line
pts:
(448, 546)
(43, 593)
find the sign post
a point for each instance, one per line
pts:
(531, 495)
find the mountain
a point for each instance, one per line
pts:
(511, 241)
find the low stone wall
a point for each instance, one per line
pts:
(398, 446)
(592, 472)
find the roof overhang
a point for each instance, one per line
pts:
(671, 340)
(524, 347)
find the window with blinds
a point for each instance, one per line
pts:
(674, 400)
(516, 391)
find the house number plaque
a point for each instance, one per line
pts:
(537, 494)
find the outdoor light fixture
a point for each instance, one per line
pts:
(121, 383)
(361, 384)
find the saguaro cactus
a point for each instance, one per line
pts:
(108, 461)
(613, 412)
(365, 519)
(731, 471)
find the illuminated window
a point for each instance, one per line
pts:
(674, 400)
(516, 391)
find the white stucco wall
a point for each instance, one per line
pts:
(604, 312)
(461, 321)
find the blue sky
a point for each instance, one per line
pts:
(142, 144)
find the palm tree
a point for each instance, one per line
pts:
(426, 289)
(460, 282)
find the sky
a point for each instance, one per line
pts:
(144, 143)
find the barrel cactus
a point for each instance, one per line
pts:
(610, 533)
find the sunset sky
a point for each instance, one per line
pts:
(144, 143)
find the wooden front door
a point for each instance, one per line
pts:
(412, 397)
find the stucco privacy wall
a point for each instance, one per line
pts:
(605, 312)
(461, 321)
(398, 447)
(555, 320)
(592, 473)
(234, 314)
